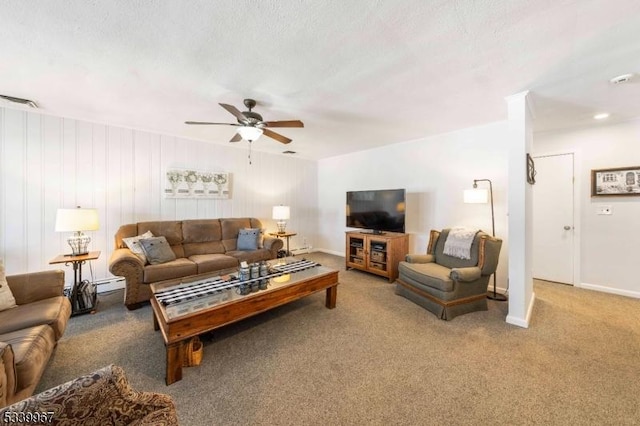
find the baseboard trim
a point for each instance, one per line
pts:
(335, 253)
(523, 322)
(604, 289)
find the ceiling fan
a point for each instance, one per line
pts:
(251, 125)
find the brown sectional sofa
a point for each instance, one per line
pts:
(30, 331)
(201, 246)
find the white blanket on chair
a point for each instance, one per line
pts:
(458, 243)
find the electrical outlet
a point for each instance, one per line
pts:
(605, 210)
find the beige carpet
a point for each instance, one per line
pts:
(380, 359)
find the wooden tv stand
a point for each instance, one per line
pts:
(376, 253)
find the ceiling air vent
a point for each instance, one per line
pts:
(289, 152)
(20, 101)
(624, 78)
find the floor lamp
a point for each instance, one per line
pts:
(474, 196)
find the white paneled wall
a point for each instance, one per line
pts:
(51, 162)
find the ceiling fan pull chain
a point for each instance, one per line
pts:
(249, 152)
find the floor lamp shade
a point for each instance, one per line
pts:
(280, 215)
(476, 196)
(77, 220)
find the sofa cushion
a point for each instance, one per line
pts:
(170, 229)
(251, 256)
(202, 236)
(133, 243)
(248, 239)
(157, 250)
(32, 348)
(178, 268)
(428, 274)
(54, 312)
(201, 230)
(213, 262)
(230, 230)
(6, 296)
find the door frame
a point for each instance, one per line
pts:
(577, 206)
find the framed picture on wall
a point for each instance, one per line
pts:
(189, 183)
(618, 181)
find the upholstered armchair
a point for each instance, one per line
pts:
(447, 285)
(103, 397)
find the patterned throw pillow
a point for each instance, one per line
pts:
(6, 297)
(248, 239)
(157, 250)
(134, 245)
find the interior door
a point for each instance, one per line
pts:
(553, 228)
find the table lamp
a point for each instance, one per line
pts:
(77, 220)
(280, 215)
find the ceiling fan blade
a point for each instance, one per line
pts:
(276, 136)
(286, 123)
(207, 123)
(236, 138)
(233, 110)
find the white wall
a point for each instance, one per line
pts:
(609, 244)
(50, 162)
(434, 171)
(520, 134)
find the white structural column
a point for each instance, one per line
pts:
(520, 134)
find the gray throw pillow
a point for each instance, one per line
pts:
(157, 250)
(134, 245)
(248, 239)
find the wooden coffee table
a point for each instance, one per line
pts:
(178, 328)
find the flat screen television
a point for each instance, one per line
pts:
(377, 210)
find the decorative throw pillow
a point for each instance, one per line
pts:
(248, 239)
(260, 235)
(6, 297)
(134, 245)
(157, 250)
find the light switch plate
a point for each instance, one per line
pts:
(605, 210)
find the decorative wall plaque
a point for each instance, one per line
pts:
(190, 183)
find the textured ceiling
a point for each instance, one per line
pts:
(358, 73)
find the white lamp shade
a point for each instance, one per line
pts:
(280, 212)
(72, 220)
(476, 196)
(249, 133)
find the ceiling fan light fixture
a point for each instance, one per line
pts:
(250, 133)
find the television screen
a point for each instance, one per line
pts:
(376, 210)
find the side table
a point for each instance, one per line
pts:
(286, 235)
(79, 304)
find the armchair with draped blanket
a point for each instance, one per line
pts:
(447, 285)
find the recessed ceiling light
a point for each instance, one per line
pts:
(601, 116)
(621, 78)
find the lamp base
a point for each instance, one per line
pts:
(78, 243)
(497, 296)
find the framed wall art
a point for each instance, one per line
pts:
(618, 181)
(190, 183)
